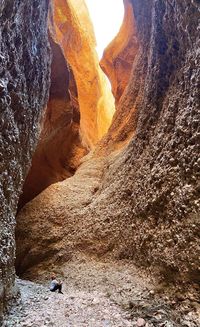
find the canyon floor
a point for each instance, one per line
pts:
(97, 294)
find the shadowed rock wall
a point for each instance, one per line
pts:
(158, 174)
(59, 149)
(24, 84)
(142, 204)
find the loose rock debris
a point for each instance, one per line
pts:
(96, 294)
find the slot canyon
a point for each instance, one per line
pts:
(100, 165)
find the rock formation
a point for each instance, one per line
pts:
(24, 86)
(70, 126)
(137, 195)
(118, 57)
(73, 30)
(59, 149)
(142, 202)
(120, 61)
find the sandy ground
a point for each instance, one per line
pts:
(96, 294)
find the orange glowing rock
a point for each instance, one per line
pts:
(59, 151)
(118, 57)
(81, 104)
(73, 31)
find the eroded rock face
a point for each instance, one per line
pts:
(123, 62)
(143, 203)
(73, 30)
(59, 149)
(24, 84)
(81, 105)
(118, 57)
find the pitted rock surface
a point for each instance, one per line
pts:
(143, 203)
(24, 85)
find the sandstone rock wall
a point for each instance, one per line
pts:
(59, 149)
(123, 62)
(142, 203)
(162, 159)
(24, 84)
(118, 57)
(81, 105)
(158, 173)
(73, 30)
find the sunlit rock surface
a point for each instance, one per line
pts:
(118, 57)
(73, 30)
(122, 63)
(81, 104)
(143, 203)
(24, 85)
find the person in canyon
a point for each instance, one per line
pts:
(55, 285)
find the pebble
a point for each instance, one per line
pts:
(141, 322)
(85, 302)
(80, 308)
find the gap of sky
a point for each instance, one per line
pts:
(107, 17)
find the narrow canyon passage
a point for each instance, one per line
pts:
(99, 163)
(76, 224)
(80, 109)
(81, 105)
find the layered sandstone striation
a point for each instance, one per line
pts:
(24, 84)
(73, 30)
(140, 203)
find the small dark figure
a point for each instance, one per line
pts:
(55, 285)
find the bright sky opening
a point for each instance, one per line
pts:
(107, 17)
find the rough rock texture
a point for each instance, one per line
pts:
(59, 149)
(80, 106)
(24, 83)
(127, 69)
(98, 294)
(143, 203)
(90, 297)
(119, 56)
(73, 30)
